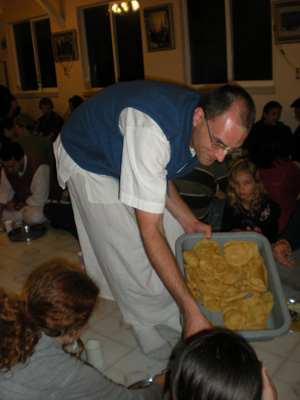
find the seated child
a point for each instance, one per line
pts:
(248, 206)
(221, 365)
(54, 310)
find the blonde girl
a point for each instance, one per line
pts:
(248, 206)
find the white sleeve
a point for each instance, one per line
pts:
(6, 190)
(39, 186)
(146, 153)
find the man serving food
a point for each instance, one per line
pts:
(118, 154)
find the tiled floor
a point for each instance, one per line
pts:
(123, 361)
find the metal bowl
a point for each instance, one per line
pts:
(27, 233)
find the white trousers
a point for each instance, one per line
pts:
(115, 257)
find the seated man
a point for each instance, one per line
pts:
(50, 123)
(32, 144)
(24, 188)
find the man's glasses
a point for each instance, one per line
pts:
(218, 145)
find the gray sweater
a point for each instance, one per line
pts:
(50, 373)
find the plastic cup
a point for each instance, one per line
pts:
(94, 353)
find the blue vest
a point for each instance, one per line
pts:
(92, 138)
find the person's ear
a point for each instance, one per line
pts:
(198, 116)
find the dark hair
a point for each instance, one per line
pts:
(218, 101)
(46, 101)
(218, 365)
(271, 145)
(296, 103)
(269, 106)
(27, 122)
(58, 300)
(8, 123)
(75, 101)
(11, 150)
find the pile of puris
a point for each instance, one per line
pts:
(234, 282)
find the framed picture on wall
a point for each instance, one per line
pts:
(286, 21)
(64, 45)
(159, 27)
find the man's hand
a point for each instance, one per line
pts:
(269, 390)
(199, 226)
(281, 253)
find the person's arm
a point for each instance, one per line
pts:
(39, 187)
(291, 232)
(165, 264)
(282, 251)
(6, 192)
(73, 379)
(269, 390)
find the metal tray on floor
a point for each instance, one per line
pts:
(27, 233)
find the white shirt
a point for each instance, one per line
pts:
(39, 186)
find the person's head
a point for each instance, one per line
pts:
(74, 102)
(221, 122)
(9, 129)
(218, 365)
(271, 113)
(296, 106)
(271, 146)
(46, 106)
(57, 300)
(12, 157)
(245, 186)
(24, 124)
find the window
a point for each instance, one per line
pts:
(34, 54)
(113, 43)
(230, 40)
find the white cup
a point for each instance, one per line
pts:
(9, 225)
(94, 353)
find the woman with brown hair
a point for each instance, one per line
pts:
(53, 311)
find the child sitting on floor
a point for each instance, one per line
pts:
(248, 206)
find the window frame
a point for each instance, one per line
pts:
(15, 66)
(254, 87)
(89, 90)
